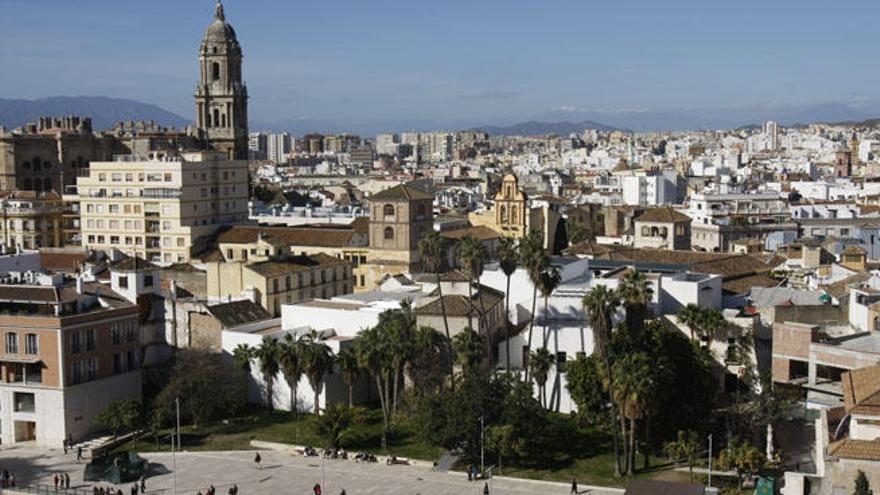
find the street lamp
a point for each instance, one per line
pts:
(482, 467)
(710, 460)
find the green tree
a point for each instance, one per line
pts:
(548, 281)
(206, 385)
(120, 415)
(743, 458)
(600, 304)
(472, 258)
(267, 355)
(374, 356)
(433, 252)
(430, 357)
(469, 348)
(290, 360)
(243, 354)
(350, 369)
(504, 441)
(862, 487)
(317, 360)
(636, 293)
(540, 363)
(336, 420)
(535, 260)
(508, 255)
(585, 386)
(711, 323)
(690, 317)
(685, 447)
(633, 388)
(576, 232)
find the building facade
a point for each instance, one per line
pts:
(159, 207)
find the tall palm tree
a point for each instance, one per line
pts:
(636, 293)
(347, 363)
(633, 388)
(317, 362)
(600, 304)
(711, 322)
(469, 348)
(548, 281)
(243, 354)
(429, 348)
(433, 252)
(535, 260)
(398, 327)
(472, 257)
(373, 356)
(291, 360)
(508, 255)
(540, 362)
(689, 316)
(267, 355)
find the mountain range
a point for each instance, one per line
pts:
(106, 112)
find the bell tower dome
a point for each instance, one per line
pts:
(221, 97)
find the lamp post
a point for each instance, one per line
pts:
(482, 467)
(710, 461)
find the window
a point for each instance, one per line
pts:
(131, 333)
(389, 233)
(75, 342)
(24, 402)
(117, 363)
(32, 344)
(148, 280)
(388, 210)
(90, 340)
(91, 369)
(12, 343)
(215, 71)
(115, 334)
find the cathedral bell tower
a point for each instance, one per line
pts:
(221, 97)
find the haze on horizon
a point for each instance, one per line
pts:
(457, 61)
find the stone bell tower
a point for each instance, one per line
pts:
(221, 97)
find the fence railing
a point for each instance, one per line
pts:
(42, 489)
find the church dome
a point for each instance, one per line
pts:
(219, 32)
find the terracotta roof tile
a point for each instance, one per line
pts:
(863, 450)
(401, 192)
(665, 214)
(861, 390)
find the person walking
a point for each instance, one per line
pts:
(56, 482)
(66, 481)
(317, 489)
(143, 483)
(258, 460)
(134, 489)
(234, 489)
(64, 444)
(486, 488)
(79, 454)
(574, 487)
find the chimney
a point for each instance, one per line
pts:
(80, 284)
(173, 289)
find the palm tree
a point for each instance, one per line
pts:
(291, 360)
(373, 356)
(471, 257)
(267, 354)
(535, 259)
(347, 363)
(243, 354)
(469, 349)
(689, 316)
(712, 322)
(317, 362)
(398, 327)
(433, 252)
(633, 387)
(600, 304)
(548, 281)
(429, 348)
(636, 293)
(686, 446)
(540, 363)
(508, 255)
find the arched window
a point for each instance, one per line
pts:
(223, 120)
(216, 117)
(389, 233)
(26, 184)
(26, 165)
(503, 213)
(47, 184)
(388, 210)
(215, 71)
(37, 163)
(654, 231)
(513, 214)
(646, 231)
(664, 232)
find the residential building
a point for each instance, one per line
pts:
(278, 146)
(663, 228)
(70, 348)
(159, 207)
(31, 220)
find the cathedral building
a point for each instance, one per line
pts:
(221, 97)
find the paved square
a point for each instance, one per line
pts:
(281, 473)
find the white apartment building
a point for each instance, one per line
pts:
(157, 207)
(386, 144)
(650, 190)
(717, 208)
(278, 146)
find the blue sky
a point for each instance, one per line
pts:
(476, 60)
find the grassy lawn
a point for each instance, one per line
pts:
(236, 434)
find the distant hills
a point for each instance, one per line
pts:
(535, 128)
(105, 112)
